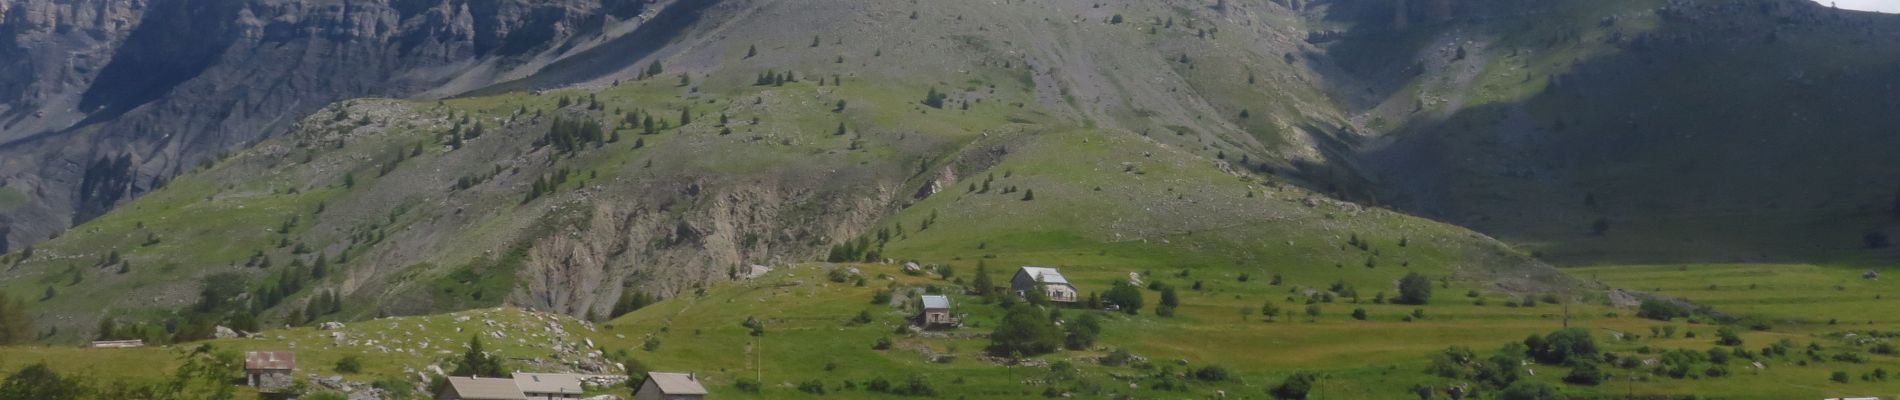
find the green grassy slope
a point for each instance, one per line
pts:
(407, 223)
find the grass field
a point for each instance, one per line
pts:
(809, 336)
(808, 329)
(1825, 305)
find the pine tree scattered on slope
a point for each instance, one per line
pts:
(934, 99)
(476, 361)
(630, 301)
(1896, 205)
(568, 135)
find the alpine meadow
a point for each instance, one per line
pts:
(957, 199)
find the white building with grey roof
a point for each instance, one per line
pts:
(1047, 280)
(670, 386)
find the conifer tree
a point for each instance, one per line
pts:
(1896, 205)
(322, 267)
(477, 362)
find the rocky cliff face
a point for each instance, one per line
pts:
(101, 100)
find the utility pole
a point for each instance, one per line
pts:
(1567, 313)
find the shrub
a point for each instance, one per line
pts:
(1117, 358)
(747, 385)
(881, 297)
(916, 386)
(349, 364)
(1503, 368)
(1562, 346)
(1850, 356)
(1125, 295)
(1211, 373)
(1453, 362)
(882, 343)
(1294, 387)
(1083, 331)
(1414, 289)
(812, 386)
(1359, 314)
(1719, 355)
(1726, 336)
(37, 381)
(1661, 310)
(1528, 390)
(1839, 377)
(1026, 331)
(1584, 373)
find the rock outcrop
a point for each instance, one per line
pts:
(157, 86)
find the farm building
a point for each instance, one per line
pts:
(548, 386)
(669, 386)
(117, 344)
(269, 371)
(936, 312)
(1048, 280)
(473, 388)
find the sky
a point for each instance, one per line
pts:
(1890, 6)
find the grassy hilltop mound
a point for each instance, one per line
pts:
(560, 202)
(724, 152)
